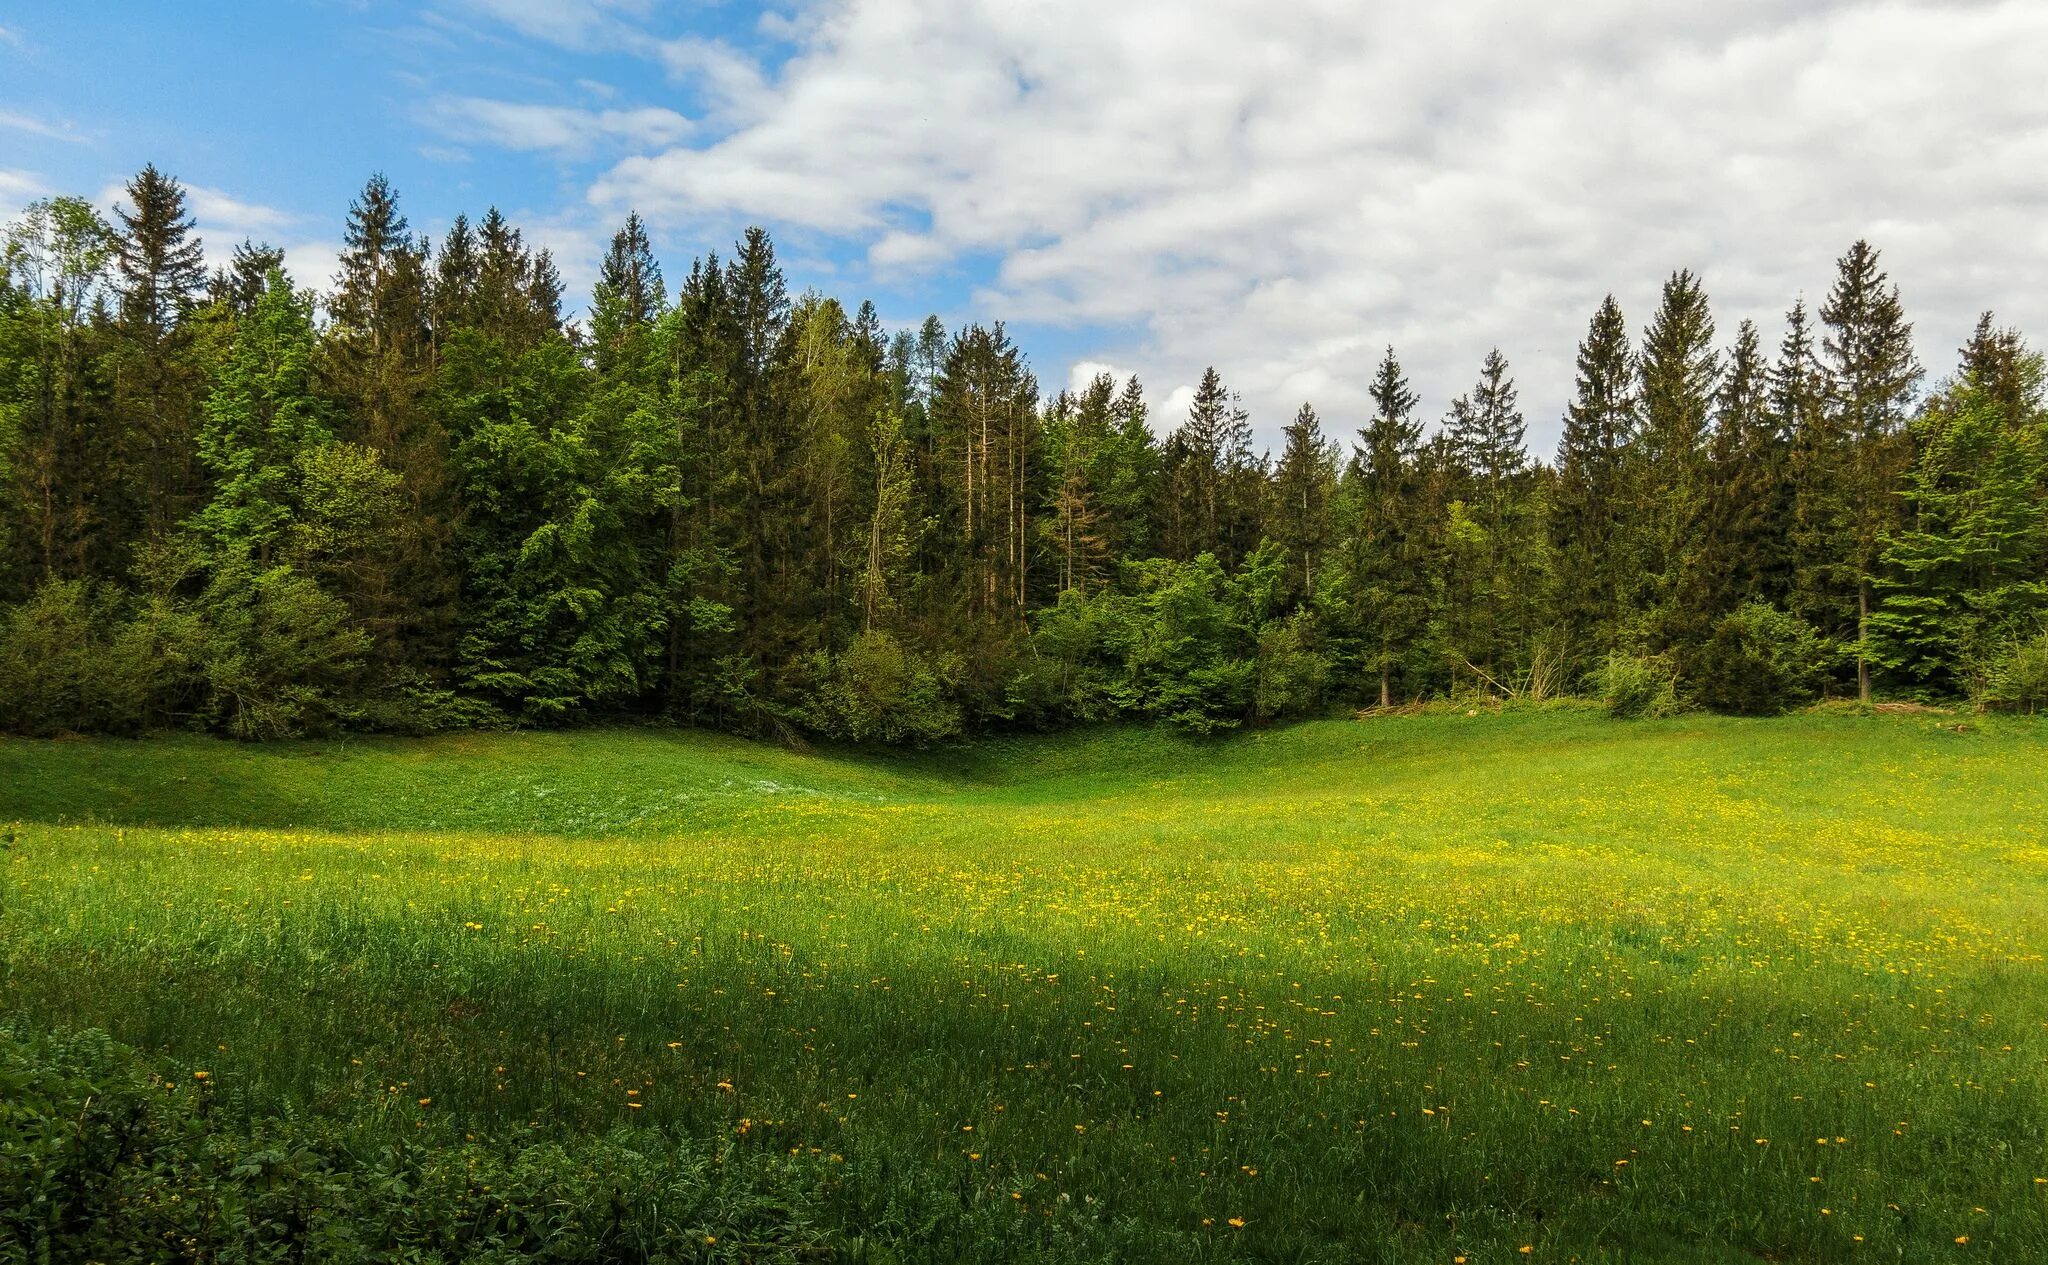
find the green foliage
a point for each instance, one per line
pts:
(72, 660)
(878, 690)
(1636, 685)
(1964, 571)
(2014, 677)
(261, 418)
(1761, 661)
(693, 502)
(1294, 668)
(274, 654)
(102, 1159)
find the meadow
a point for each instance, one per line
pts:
(1521, 986)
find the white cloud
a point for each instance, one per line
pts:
(1284, 190)
(570, 23)
(1082, 373)
(224, 213)
(17, 190)
(557, 129)
(216, 214)
(16, 122)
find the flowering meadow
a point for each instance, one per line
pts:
(1521, 986)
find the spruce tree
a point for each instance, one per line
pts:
(1487, 437)
(1962, 572)
(1595, 576)
(1384, 490)
(1680, 372)
(1868, 353)
(377, 363)
(1746, 511)
(262, 419)
(236, 287)
(1212, 481)
(159, 275)
(1304, 482)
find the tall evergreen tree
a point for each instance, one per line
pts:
(377, 363)
(1746, 517)
(263, 419)
(629, 296)
(1211, 480)
(1596, 578)
(1872, 372)
(159, 275)
(235, 287)
(1964, 569)
(1304, 483)
(1668, 459)
(1384, 494)
(1488, 440)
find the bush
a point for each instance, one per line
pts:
(1634, 686)
(71, 659)
(277, 654)
(1761, 661)
(878, 690)
(1293, 669)
(2015, 679)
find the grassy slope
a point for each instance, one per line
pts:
(1386, 990)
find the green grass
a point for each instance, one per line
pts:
(1400, 990)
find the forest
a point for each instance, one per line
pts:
(430, 499)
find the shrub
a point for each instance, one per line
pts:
(1293, 669)
(2015, 679)
(1634, 686)
(878, 690)
(71, 659)
(1761, 661)
(277, 653)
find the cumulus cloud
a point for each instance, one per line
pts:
(562, 130)
(1284, 190)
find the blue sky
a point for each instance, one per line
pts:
(1146, 187)
(285, 109)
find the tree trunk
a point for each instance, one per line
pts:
(1863, 641)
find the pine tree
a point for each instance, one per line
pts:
(377, 363)
(1680, 373)
(1746, 520)
(262, 419)
(1488, 441)
(1596, 577)
(1071, 437)
(1211, 480)
(159, 276)
(629, 296)
(1304, 482)
(1384, 491)
(236, 287)
(984, 422)
(1963, 571)
(1872, 372)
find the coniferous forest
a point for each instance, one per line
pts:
(430, 499)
